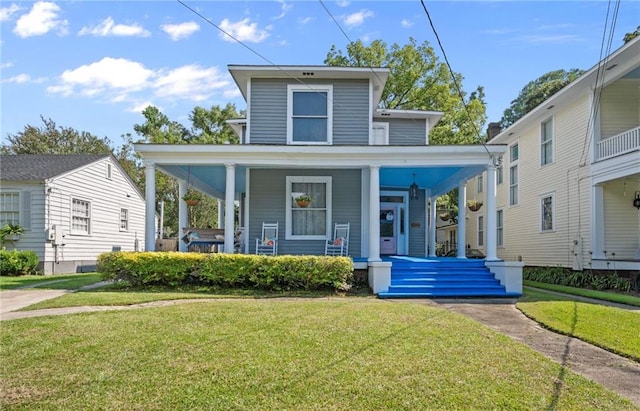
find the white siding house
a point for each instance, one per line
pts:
(72, 208)
(571, 174)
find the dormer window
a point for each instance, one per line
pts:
(309, 114)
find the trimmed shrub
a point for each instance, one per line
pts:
(14, 262)
(271, 273)
(577, 279)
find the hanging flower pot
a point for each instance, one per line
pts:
(303, 200)
(474, 205)
(192, 198)
(445, 216)
(192, 202)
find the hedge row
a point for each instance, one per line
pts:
(272, 273)
(578, 279)
(14, 262)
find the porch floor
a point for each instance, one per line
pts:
(446, 277)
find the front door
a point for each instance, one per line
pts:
(388, 243)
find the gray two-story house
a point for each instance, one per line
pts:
(317, 130)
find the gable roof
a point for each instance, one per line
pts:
(40, 167)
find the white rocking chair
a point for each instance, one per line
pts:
(268, 243)
(339, 244)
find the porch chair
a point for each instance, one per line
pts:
(339, 244)
(268, 243)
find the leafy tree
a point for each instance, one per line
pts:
(53, 139)
(419, 81)
(537, 91)
(630, 36)
(208, 127)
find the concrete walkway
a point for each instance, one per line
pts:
(609, 370)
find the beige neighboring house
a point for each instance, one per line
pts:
(72, 208)
(568, 189)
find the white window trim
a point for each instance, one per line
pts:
(511, 160)
(109, 171)
(480, 227)
(127, 219)
(19, 211)
(383, 125)
(550, 141)
(289, 202)
(480, 185)
(513, 163)
(310, 88)
(90, 218)
(553, 212)
(499, 244)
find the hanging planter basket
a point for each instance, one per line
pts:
(445, 216)
(192, 202)
(474, 205)
(303, 201)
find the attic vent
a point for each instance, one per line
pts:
(307, 73)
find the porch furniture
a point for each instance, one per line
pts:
(238, 240)
(203, 240)
(268, 242)
(339, 244)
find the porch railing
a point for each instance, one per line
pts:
(620, 144)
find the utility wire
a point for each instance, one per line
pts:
(453, 78)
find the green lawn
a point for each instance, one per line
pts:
(342, 353)
(613, 329)
(52, 282)
(600, 295)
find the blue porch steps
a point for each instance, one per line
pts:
(442, 277)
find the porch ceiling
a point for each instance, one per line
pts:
(211, 179)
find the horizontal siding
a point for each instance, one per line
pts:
(620, 108)
(569, 183)
(621, 221)
(269, 111)
(410, 132)
(267, 204)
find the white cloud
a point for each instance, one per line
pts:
(41, 19)
(180, 31)
(356, 19)
(7, 12)
(190, 82)
(139, 107)
(124, 81)
(285, 9)
(23, 79)
(342, 3)
(6, 65)
(108, 75)
(244, 30)
(108, 28)
(552, 39)
(406, 23)
(304, 20)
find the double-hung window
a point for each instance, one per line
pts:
(480, 183)
(480, 231)
(500, 228)
(80, 216)
(546, 142)
(9, 208)
(124, 219)
(309, 114)
(309, 219)
(500, 173)
(513, 174)
(546, 212)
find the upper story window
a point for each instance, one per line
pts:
(309, 114)
(513, 174)
(500, 174)
(480, 183)
(546, 142)
(80, 216)
(514, 151)
(108, 171)
(9, 208)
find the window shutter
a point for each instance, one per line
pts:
(25, 210)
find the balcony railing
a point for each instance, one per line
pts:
(620, 144)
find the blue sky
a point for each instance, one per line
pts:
(94, 65)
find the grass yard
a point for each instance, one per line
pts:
(342, 353)
(613, 329)
(583, 292)
(51, 282)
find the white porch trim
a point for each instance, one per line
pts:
(183, 214)
(491, 214)
(462, 220)
(432, 227)
(150, 207)
(229, 207)
(374, 213)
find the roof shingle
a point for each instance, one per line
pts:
(39, 167)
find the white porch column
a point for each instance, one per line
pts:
(229, 196)
(150, 207)
(462, 220)
(183, 216)
(597, 222)
(432, 227)
(220, 213)
(491, 214)
(374, 213)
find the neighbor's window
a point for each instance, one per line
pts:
(308, 220)
(513, 174)
(514, 152)
(80, 216)
(108, 171)
(480, 231)
(124, 219)
(500, 228)
(500, 173)
(309, 114)
(546, 212)
(546, 142)
(9, 208)
(480, 183)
